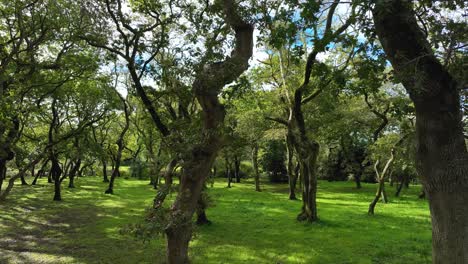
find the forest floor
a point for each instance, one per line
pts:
(248, 227)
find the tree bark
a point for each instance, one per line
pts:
(56, 171)
(23, 180)
(228, 172)
(237, 163)
(292, 176)
(255, 167)
(207, 86)
(202, 219)
(73, 172)
(441, 151)
(104, 171)
(164, 191)
(120, 146)
(12, 180)
(381, 184)
(40, 172)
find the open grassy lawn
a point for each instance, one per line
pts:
(248, 227)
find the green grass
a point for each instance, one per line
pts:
(248, 227)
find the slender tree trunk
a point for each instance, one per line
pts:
(40, 172)
(165, 190)
(237, 163)
(381, 180)
(49, 177)
(120, 146)
(56, 171)
(255, 167)
(442, 156)
(357, 179)
(73, 171)
(12, 180)
(292, 176)
(104, 171)
(2, 172)
(228, 172)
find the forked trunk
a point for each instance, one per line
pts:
(196, 167)
(307, 155)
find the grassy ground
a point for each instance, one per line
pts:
(248, 227)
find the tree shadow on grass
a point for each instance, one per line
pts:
(34, 229)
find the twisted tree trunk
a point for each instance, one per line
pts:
(207, 85)
(442, 156)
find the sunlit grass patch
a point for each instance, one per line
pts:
(248, 226)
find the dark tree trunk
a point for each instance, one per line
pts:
(56, 171)
(23, 180)
(255, 167)
(202, 219)
(357, 178)
(307, 153)
(40, 173)
(49, 177)
(399, 188)
(165, 190)
(6, 153)
(441, 151)
(73, 171)
(2, 172)
(228, 172)
(292, 176)
(237, 163)
(120, 146)
(12, 180)
(104, 171)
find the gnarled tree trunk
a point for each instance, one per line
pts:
(207, 85)
(441, 151)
